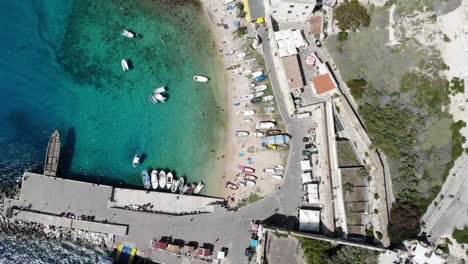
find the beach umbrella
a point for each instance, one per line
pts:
(236, 23)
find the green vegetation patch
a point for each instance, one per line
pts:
(461, 235)
(253, 197)
(357, 87)
(351, 15)
(346, 154)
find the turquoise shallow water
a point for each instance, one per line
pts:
(63, 71)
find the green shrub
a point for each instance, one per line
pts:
(342, 36)
(461, 235)
(351, 15)
(357, 87)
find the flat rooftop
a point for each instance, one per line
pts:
(293, 72)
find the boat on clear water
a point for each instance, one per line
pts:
(159, 90)
(247, 96)
(128, 34)
(146, 179)
(52, 154)
(125, 65)
(251, 85)
(242, 133)
(269, 109)
(154, 179)
(232, 186)
(257, 74)
(246, 169)
(199, 187)
(181, 184)
(267, 98)
(159, 98)
(136, 160)
(250, 177)
(162, 179)
(265, 125)
(169, 180)
(258, 94)
(258, 134)
(175, 186)
(250, 183)
(260, 88)
(246, 113)
(200, 78)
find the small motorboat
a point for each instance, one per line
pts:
(258, 134)
(258, 94)
(246, 72)
(159, 98)
(232, 186)
(229, 53)
(246, 113)
(250, 183)
(162, 179)
(269, 109)
(269, 170)
(128, 34)
(250, 177)
(267, 98)
(175, 186)
(247, 96)
(169, 180)
(153, 99)
(125, 66)
(273, 132)
(248, 120)
(146, 179)
(136, 160)
(154, 179)
(241, 55)
(256, 100)
(199, 187)
(277, 176)
(159, 90)
(242, 133)
(242, 184)
(191, 189)
(279, 167)
(185, 189)
(257, 74)
(251, 85)
(265, 125)
(246, 169)
(181, 184)
(200, 78)
(259, 78)
(260, 88)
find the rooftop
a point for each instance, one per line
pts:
(293, 72)
(323, 83)
(315, 23)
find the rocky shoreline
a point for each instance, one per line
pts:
(26, 230)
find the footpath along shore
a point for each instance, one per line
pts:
(241, 150)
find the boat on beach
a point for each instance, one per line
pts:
(125, 66)
(250, 177)
(128, 34)
(258, 94)
(251, 85)
(175, 186)
(267, 98)
(169, 180)
(273, 132)
(269, 109)
(181, 185)
(191, 189)
(185, 189)
(260, 78)
(199, 187)
(251, 60)
(200, 78)
(248, 120)
(241, 55)
(146, 179)
(136, 160)
(159, 90)
(269, 170)
(256, 100)
(162, 179)
(265, 125)
(257, 74)
(232, 186)
(246, 113)
(279, 167)
(277, 176)
(247, 96)
(52, 154)
(247, 72)
(242, 133)
(258, 134)
(242, 184)
(154, 179)
(250, 183)
(246, 169)
(260, 88)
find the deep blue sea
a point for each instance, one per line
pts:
(60, 69)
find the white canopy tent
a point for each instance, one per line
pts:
(305, 165)
(312, 193)
(309, 220)
(306, 177)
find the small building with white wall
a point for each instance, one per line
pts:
(292, 10)
(309, 220)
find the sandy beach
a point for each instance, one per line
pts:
(245, 151)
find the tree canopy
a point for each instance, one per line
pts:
(350, 15)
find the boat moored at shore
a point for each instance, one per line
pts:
(52, 154)
(199, 187)
(200, 78)
(169, 180)
(154, 179)
(162, 179)
(146, 179)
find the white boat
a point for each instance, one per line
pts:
(136, 160)
(146, 179)
(242, 184)
(251, 85)
(154, 179)
(269, 170)
(128, 34)
(269, 109)
(125, 65)
(250, 183)
(250, 177)
(277, 176)
(258, 134)
(181, 185)
(162, 179)
(258, 94)
(242, 133)
(241, 55)
(265, 125)
(260, 88)
(248, 120)
(159, 97)
(267, 98)
(232, 186)
(185, 189)
(200, 78)
(169, 180)
(247, 72)
(251, 60)
(257, 74)
(159, 90)
(199, 187)
(175, 186)
(246, 113)
(247, 96)
(279, 167)
(229, 53)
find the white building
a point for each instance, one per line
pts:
(309, 220)
(292, 10)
